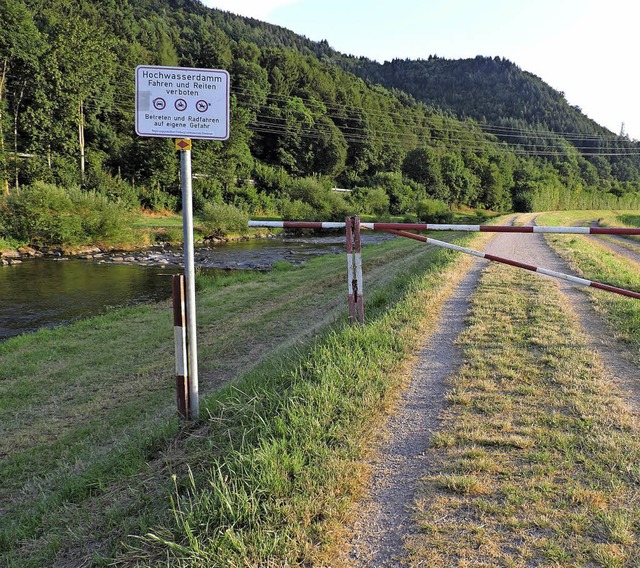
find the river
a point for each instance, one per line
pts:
(46, 292)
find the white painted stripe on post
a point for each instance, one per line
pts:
(179, 335)
(359, 278)
(566, 230)
(350, 272)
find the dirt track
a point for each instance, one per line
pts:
(386, 518)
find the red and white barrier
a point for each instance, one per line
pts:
(400, 229)
(448, 227)
(180, 338)
(553, 273)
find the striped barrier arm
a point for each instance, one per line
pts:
(539, 270)
(448, 227)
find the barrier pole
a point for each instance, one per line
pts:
(358, 267)
(180, 338)
(445, 227)
(350, 270)
(539, 270)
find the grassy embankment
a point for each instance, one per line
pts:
(89, 441)
(590, 258)
(537, 462)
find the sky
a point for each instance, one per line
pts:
(587, 49)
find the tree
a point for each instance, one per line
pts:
(20, 48)
(423, 166)
(76, 81)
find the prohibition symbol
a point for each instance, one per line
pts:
(202, 106)
(159, 103)
(181, 105)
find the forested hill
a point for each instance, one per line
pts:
(492, 90)
(514, 104)
(304, 118)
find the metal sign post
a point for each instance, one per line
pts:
(184, 103)
(190, 277)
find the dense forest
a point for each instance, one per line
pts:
(304, 118)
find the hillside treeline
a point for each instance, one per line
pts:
(300, 124)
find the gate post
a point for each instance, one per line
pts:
(180, 338)
(350, 270)
(354, 270)
(358, 267)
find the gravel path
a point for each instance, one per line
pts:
(625, 247)
(616, 358)
(385, 518)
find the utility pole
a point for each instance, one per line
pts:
(81, 141)
(622, 132)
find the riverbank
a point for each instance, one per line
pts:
(12, 256)
(148, 230)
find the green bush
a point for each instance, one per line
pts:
(222, 218)
(45, 215)
(156, 199)
(206, 190)
(296, 210)
(370, 201)
(271, 180)
(40, 214)
(100, 218)
(433, 211)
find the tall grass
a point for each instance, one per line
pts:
(536, 463)
(590, 258)
(278, 463)
(89, 435)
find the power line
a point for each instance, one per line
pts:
(421, 131)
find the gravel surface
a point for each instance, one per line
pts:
(623, 246)
(385, 518)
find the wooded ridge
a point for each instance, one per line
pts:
(304, 118)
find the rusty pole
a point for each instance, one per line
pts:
(357, 255)
(180, 337)
(350, 270)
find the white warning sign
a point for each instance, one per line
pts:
(182, 102)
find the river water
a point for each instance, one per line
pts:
(46, 292)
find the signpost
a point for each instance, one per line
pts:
(184, 103)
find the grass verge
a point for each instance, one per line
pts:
(591, 259)
(536, 463)
(89, 441)
(274, 470)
